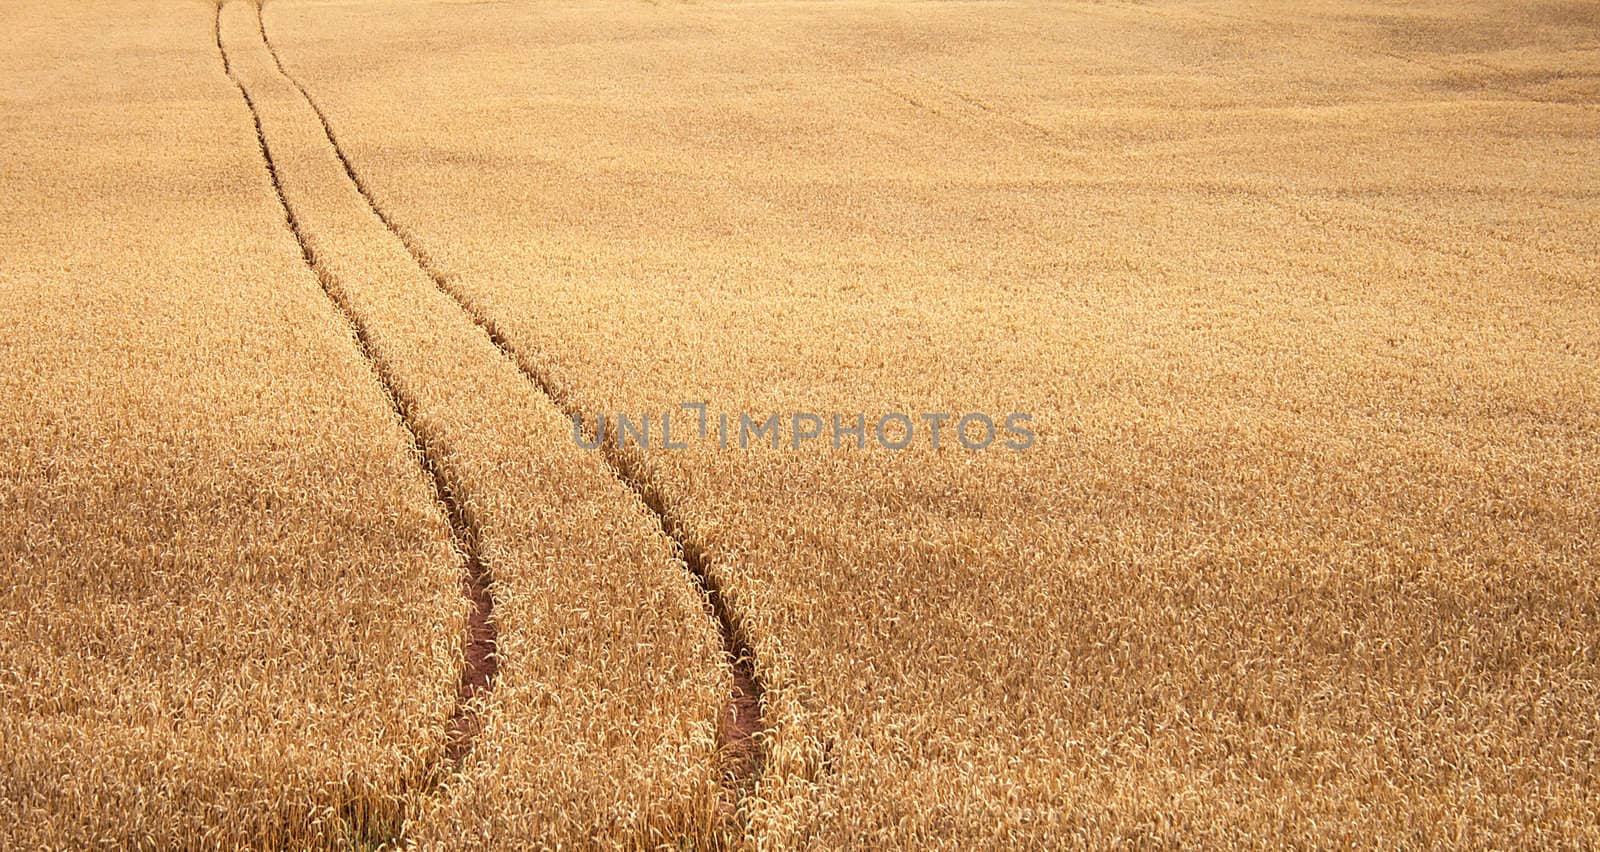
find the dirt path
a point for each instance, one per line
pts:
(469, 398)
(477, 677)
(741, 719)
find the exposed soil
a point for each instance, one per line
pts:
(740, 720)
(481, 660)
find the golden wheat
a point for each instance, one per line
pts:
(231, 611)
(1301, 299)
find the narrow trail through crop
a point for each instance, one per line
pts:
(478, 675)
(741, 725)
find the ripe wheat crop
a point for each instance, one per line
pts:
(1301, 299)
(301, 302)
(231, 610)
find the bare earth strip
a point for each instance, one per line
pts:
(602, 727)
(479, 658)
(740, 729)
(231, 614)
(1306, 550)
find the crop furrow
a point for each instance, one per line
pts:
(741, 725)
(478, 675)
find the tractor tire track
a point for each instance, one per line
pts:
(741, 727)
(478, 675)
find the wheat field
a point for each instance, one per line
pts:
(338, 340)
